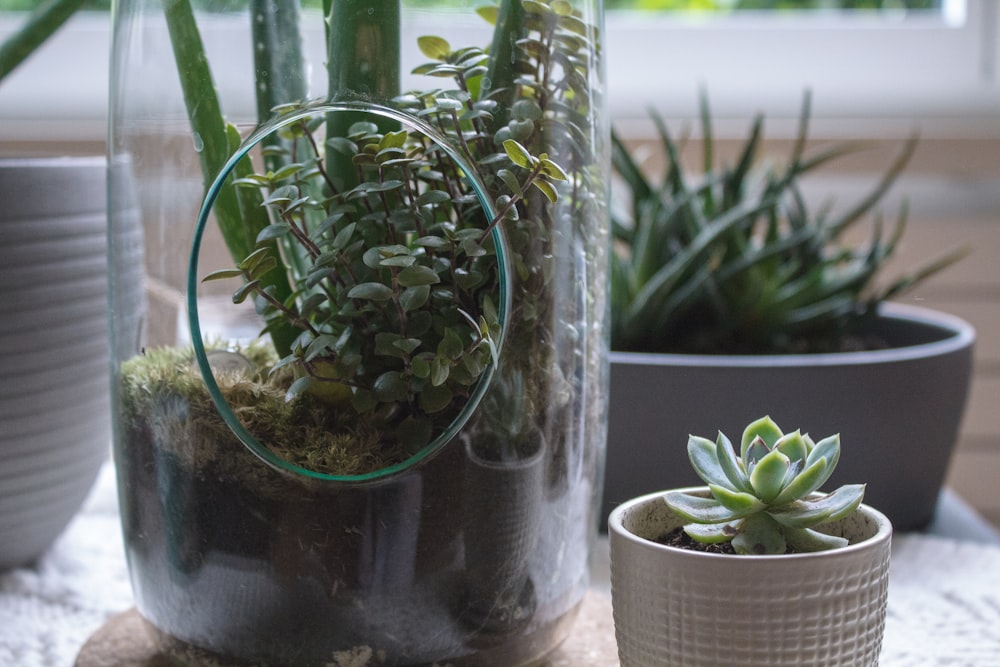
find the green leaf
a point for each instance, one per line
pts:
(731, 466)
(716, 533)
(435, 398)
(806, 540)
(740, 503)
(440, 369)
(272, 232)
(552, 170)
(793, 446)
(413, 298)
(828, 448)
(390, 387)
(704, 459)
(546, 188)
(804, 483)
(765, 428)
(222, 274)
(831, 507)
(435, 48)
(417, 275)
(697, 508)
(518, 154)
(759, 535)
(768, 475)
(297, 388)
(240, 295)
(370, 292)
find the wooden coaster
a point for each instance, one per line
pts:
(128, 640)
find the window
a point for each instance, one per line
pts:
(938, 62)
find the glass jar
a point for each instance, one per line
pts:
(361, 411)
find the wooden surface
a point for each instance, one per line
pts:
(127, 640)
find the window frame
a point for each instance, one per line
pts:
(914, 68)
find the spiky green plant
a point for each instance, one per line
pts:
(763, 500)
(732, 260)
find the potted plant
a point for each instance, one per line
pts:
(54, 400)
(403, 464)
(757, 567)
(729, 280)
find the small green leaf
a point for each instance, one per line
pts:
(390, 387)
(705, 461)
(517, 153)
(710, 533)
(297, 388)
(831, 507)
(758, 535)
(765, 428)
(413, 298)
(222, 274)
(793, 446)
(697, 508)
(553, 171)
(804, 483)
(768, 475)
(806, 540)
(546, 188)
(370, 292)
(435, 48)
(740, 503)
(272, 232)
(731, 466)
(435, 398)
(451, 345)
(440, 369)
(417, 275)
(240, 295)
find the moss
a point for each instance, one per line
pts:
(165, 399)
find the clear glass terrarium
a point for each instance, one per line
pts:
(361, 411)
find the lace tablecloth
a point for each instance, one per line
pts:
(944, 596)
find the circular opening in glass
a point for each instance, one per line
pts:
(368, 248)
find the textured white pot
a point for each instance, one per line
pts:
(694, 609)
(54, 390)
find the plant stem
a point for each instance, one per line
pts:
(364, 61)
(239, 214)
(503, 59)
(43, 21)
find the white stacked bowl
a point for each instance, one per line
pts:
(54, 386)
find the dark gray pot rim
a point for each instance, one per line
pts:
(955, 334)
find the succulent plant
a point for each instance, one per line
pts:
(733, 261)
(764, 501)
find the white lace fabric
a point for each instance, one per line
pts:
(944, 596)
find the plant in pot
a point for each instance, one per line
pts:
(730, 279)
(54, 395)
(755, 568)
(401, 468)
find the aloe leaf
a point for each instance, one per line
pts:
(702, 454)
(697, 508)
(806, 539)
(768, 475)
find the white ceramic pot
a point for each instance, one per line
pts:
(694, 609)
(54, 389)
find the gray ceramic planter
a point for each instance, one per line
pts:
(696, 609)
(898, 410)
(54, 390)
